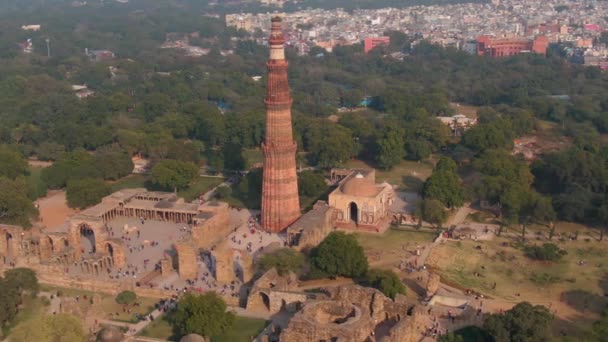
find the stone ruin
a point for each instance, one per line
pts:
(432, 285)
(272, 293)
(356, 313)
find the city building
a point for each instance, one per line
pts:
(505, 47)
(280, 201)
(372, 42)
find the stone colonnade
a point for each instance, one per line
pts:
(160, 215)
(95, 267)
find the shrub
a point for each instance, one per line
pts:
(546, 252)
(386, 281)
(126, 297)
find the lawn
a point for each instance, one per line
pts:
(35, 182)
(31, 308)
(408, 175)
(241, 331)
(200, 186)
(386, 250)
(576, 285)
(253, 156)
(109, 305)
(131, 181)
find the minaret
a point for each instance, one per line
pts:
(280, 202)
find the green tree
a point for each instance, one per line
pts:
(444, 184)
(23, 279)
(284, 260)
(433, 212)
(15, 207)
(10, 298)
(126, 297)
(49, 151)
(223, 192)
(70, 166)
(386, 281)
(204, 315)
(113, 163)
(600, 327)
(311, 184)
(390, 146)
(451, 337)
(339, 254)
(173, 174)
(12, 164)
(524, 322)
(83, 193)
(546, 252)
(51, 328)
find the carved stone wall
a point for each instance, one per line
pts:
(186, 256)
(223, 257)
(213, 226)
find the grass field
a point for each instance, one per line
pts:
(108, 303)
(253, 156)
(576, 285)
(241, 331)
(386, 250)
(199, 187)
(129, 182)
(408, 175)
(31, 308)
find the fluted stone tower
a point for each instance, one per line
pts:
(280, 202)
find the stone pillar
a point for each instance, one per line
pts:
(248, 267)
(166, 267)
(224, 263)
(186, 255)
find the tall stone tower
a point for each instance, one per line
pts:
(280, 202)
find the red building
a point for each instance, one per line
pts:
(280, 201)
(372, 42)
(504, 47)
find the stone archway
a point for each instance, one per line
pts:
(265, 300)
(87, 238)
(353, 211)
(9, 243)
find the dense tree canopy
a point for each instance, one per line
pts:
(50, 328)
(524, 322)
(339, 255)
(173, 174)
(444, 184)
(204, 315)
(86, 192)
(311, 184)
(284, 260)
(387, 282)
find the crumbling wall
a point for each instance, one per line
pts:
(186, 256)
(214, 228)
(224, 263)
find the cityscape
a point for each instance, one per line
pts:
(577, 24)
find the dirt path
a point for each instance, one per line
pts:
(53, 208)
(459, 216)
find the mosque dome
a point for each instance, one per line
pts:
(359, 186)
(110, 334)
(192, 338)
